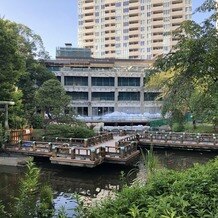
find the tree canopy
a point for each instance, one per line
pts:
(188, 75)
(21, 70)
(51, 98)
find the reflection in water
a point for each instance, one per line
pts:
(67, 180)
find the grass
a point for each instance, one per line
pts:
(200, 128)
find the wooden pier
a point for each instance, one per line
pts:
(109, 148)
(79, 152)
(185, 141)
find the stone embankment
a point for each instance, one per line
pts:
(6, 160)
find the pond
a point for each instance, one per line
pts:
(92, 183)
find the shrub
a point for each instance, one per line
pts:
(1, 135)
(191, 193)
(37, 121)
(67, 131)
(178, 127)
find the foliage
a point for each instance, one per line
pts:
(21, 70)
(190, 193)
(200, 128)
(12, 65)
(187, 76)
(25, 203)
(28, 204)
(64, 130)
(2, 210)
(52, 99)
(45, 207)
(37, 121)
(1, 135)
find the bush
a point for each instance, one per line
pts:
(178, 127)
(1, 135)
(67, 131)
(191, 193)
(37, 121)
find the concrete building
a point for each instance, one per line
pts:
(131, 29)
(68, 52)
(102, 86)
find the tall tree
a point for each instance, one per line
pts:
(21, 71)
(52, 99)
(12, 65)
(192, 87)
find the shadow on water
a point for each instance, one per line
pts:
(66, 180)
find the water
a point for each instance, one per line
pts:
(87, 182)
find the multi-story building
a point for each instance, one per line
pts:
(131, 29)
(101, 86)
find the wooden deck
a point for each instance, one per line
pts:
(187, 141)
(78, 152)
(110, 149)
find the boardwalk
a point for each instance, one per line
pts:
(80, 152)
(109, 148)
(186, 141)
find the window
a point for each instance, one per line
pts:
(98, 111)
(128, 81)
(129, 96)
(75, 81)
(105, 96)
(83, 111)
(102, 81)
(125, 10)
(59, 78)
(76, 96)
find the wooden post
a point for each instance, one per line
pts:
(34, 146)
(73, 152)
(214, 140)
(165, 138)
(103, 152)
(54, 152)
(93, 154)
(85, 143)
(151, 137)
(20, 144)
(181, 138)
(122, 152)
(50, 146)
(170, 135)
(197, 139)
(70, 140)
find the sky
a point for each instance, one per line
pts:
(54, 20)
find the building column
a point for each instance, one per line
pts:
(142, 107)
(116, 92)
(89, 95)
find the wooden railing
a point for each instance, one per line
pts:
(180, 137)
(79, 141)
(20, 134)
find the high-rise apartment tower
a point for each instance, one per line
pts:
(135, 29)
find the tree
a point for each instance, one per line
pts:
(12, 65)
(21, 71)
(192, 85)
(52, 99)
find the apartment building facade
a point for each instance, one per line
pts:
(131, 29)
(102, 86)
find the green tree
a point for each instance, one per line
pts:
(52, 99)
(21, 70)
(12, 65)
(192, 87)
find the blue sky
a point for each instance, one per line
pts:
(54, 20)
